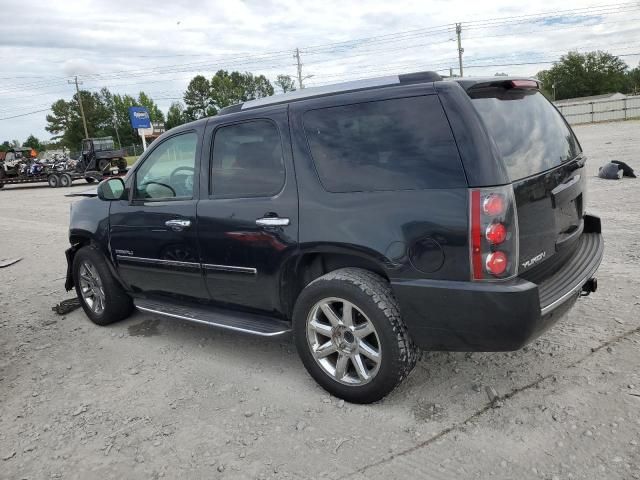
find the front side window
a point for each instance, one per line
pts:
(247, 160)
(168, 172)
(398, 144)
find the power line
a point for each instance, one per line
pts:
(398, 36)
(25, 114)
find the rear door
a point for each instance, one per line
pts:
(248, 212)
(544, 162)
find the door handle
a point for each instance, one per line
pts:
(272, 222)
(178, 225)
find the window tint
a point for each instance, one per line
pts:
(400, 144)
(168, 171)
(531, 135)
(247, 160)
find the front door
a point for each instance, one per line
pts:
(248, 222)
(153, 234)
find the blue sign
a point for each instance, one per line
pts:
(139, 117)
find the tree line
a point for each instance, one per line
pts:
(573, 75)
(585, 74)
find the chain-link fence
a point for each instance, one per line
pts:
(601, 110)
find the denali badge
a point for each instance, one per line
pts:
(533, 260)
(124, 252)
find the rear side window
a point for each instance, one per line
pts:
(399, 144)
(530, 133)
(247, 160)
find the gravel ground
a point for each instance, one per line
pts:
(152, 398)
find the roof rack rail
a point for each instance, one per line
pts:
(407, 78)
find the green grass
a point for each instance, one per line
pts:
(131, 160)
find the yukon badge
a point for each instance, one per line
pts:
(534, 260)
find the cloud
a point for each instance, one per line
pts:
(79, 66)
(158, 45)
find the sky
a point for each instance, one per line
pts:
(158, 46)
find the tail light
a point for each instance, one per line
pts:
(493, 233)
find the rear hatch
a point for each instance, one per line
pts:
(544, 162)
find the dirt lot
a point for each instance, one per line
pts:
(150, 398)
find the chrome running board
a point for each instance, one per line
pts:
(250, 323)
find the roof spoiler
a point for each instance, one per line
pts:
(516, 84)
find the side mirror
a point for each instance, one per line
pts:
(111, 189)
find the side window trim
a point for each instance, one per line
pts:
(155, 146)
(211, 195)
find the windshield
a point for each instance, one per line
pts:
(530, 133)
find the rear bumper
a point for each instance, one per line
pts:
(501, 316)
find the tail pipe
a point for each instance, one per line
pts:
(590, 286)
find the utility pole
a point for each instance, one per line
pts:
(84, 120)
(460, 49)
(297, 57)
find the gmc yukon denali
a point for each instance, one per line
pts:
(370, 219)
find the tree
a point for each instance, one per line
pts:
(5, 146)
(65, 122)
(286, 83)
(197, 99)
(204, 98)
(175, 115)
(34, 143)
(581, 75)
(633, 81)
(107, 115)
(155, 113)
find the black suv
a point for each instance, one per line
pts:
(369, 218)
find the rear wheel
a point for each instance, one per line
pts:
(104, 164)
(53, 181)
(102, 298)
(122, 164)
(65, 180)
(350, 336)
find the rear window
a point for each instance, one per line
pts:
(399, 144)
(530, 133)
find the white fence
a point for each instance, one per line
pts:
(601, 111)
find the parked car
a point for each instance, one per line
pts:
(371, 219)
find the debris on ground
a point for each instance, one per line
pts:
(66, 306)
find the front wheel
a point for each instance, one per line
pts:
(350, 336)
(102, 298)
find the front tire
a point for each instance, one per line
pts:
(102, 298)
(350, 336)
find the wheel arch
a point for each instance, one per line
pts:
(80, 238)
(313, 262)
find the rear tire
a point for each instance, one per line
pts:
(101, 296)
(122, 164)
(103, 164)
(65, 180)
(359, 356)
(53, 181)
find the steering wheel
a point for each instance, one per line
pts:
(151, 182)
(190, 169)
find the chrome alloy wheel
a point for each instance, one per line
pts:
(91, 288)
(343, 341)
